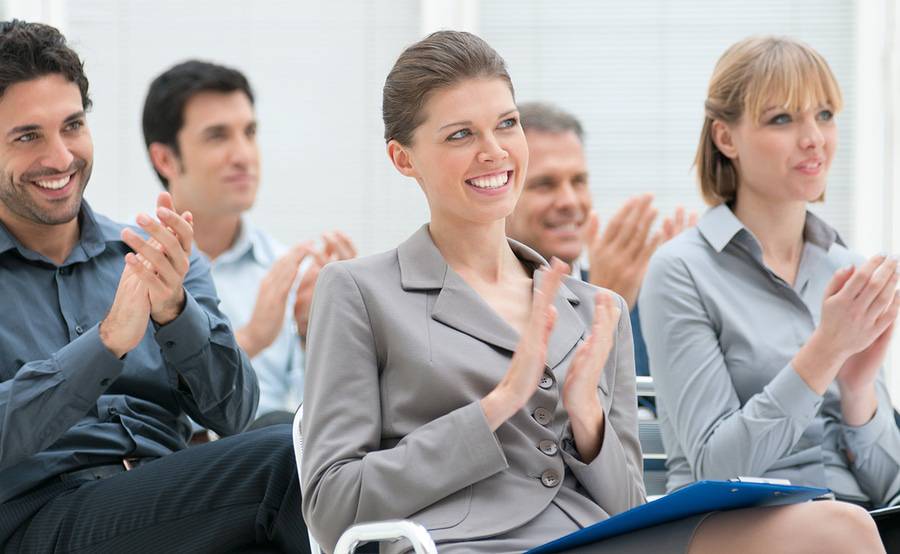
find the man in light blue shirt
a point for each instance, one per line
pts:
(200, 130)
(239, 274)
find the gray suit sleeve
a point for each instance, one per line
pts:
(347, 477)
(875, 450)
(614, 479)
(721, 439)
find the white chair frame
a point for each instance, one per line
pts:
(650, 433)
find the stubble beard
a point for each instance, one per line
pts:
(17, 199)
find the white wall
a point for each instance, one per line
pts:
(634, 72)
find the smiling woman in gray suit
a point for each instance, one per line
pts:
(451, 382)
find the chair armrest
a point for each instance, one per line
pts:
(645, 386)
(383, 530)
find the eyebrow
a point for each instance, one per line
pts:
(772, 108)
(467, 122)
(221, 127)
(216, 128)
(550, 178)
(31, 127)
(74, 116)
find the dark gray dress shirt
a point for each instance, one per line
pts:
(66, 402)
(721, 330)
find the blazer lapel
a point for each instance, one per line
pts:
(569, 328)
(458, 305)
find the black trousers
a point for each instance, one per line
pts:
(889, 529)
(238, 494)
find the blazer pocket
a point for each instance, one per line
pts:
(604, 390)
(447, 512)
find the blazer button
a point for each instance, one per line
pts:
(546, 382)
(542, 416)
(549, 478)
(548, 447)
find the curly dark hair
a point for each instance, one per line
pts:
(32, 50)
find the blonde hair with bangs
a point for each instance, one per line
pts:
(748, 77)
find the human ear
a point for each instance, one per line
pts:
(401, 158)
(723, 138)
(165, 160)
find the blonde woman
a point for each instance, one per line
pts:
(766, 335)
(461, 381)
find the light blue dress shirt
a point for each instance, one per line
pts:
(238, 273)
(721, 331)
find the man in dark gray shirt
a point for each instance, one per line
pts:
(110, 337)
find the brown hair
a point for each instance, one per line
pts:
(438, 61)
(750, 74)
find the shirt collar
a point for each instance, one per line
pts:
(820, 233)
(719, 226)
(95, 232)
(249, 242)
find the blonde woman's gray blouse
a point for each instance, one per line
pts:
(721, 331)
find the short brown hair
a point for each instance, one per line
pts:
(438, 61)
(170, 92)
(751, 73)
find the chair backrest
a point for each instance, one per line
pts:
(651, 445)
(297, 433)
(298, 440)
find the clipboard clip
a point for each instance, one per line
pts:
(761, 480)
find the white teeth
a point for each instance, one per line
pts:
(490, 182)
(55, 184)
(567, 227)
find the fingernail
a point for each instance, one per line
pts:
(143, 219)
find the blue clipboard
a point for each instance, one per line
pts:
(697, 498)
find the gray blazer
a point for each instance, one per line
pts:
(401, 350)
